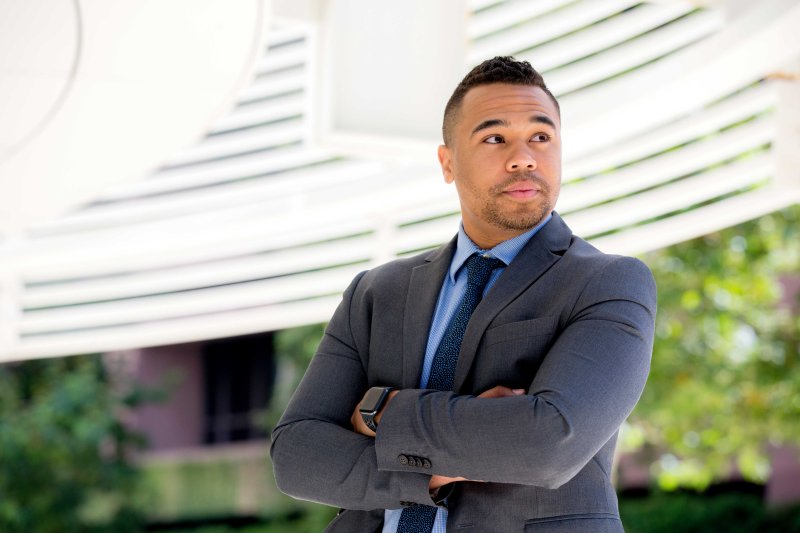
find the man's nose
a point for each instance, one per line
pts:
(521, 158)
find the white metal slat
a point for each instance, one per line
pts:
(672, 197)
(508, 14)
(666, 167)
(427, 207)
(158, 246)
(261, 112)
(748, 47)
(546, 28)
(200, 275)
(205, 236)
(212, 245)
(242, 142)
(707, 121)
(636, 52)
(591, 191)
(213, 173)
(276, 190)
(282, 58)
(426, 234)
(281, 35)
(176, 305)
(602, 35)
(185, 329)
(274, 85)
(697, 222)
(477, 5)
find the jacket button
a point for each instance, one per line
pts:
(426, 463)
(417, 462)
(403, 459)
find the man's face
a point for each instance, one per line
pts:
(505, 159)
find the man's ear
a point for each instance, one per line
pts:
(446, 163)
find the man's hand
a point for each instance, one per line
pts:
(436, 481)
(501, 392)
(360, 427)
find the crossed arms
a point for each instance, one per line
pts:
(586, 386)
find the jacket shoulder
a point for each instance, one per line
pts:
(396, 273)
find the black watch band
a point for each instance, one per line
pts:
(371, 405)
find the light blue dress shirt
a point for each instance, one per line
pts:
(450, 296)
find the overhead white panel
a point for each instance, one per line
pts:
(261, 224)
(98, 92)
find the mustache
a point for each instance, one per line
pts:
(521, 177)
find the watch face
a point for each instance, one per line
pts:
(372, 399)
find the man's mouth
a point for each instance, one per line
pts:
(522, 191)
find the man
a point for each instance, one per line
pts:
(513, 353)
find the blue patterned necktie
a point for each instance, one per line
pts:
(420, 518)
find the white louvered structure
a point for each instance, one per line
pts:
(677, 122)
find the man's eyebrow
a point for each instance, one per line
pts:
(492, 122)
(543, 119)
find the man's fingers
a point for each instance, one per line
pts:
(439, 481)
(496, 392)
(501, 392)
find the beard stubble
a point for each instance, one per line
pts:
(525, 215)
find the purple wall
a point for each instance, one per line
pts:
(178, 422)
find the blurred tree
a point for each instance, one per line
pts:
(725, 375)
(64, 451)
(294, 349)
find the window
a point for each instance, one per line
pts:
(239, 374)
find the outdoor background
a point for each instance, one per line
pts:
(186, 187)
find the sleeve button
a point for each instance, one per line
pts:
(403, 459)
(426, 463)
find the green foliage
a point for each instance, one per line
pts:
(294, 349)
(725, 370)
(308, 519)
(299, 344)
(63, 449)
(311, 519)
(692, 513)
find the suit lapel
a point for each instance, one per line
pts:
(423, 291)
(538, 255)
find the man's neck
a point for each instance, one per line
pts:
(486, 241)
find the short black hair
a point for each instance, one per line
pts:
(500, 69)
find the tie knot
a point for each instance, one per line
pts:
(480, 267)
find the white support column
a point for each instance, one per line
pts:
(787, 138)
(10, 297)
(392, 65)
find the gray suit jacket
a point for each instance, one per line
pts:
(571, 325)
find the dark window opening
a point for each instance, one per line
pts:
(239, 375)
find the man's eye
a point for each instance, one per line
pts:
(541, 137)
(493, 139)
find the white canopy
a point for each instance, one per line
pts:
(677, 122)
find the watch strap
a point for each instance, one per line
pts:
(369, 417)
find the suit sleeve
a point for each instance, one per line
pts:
(587, 385)
(316, 455)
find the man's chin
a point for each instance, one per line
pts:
(521, 223)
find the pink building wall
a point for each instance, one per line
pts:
(178, 422)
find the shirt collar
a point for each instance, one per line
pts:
(506, 251)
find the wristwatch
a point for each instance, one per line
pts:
(372, 404)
